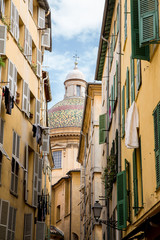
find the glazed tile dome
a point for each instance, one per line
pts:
(66, 113)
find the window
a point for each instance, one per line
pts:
(40, 230)
(15, 164)
(28, 45)
(37, 112)
(3, 34)
(12, 78)
(137, 51)
(138, 77)
(127, 90)
(41, 18)
(156, 118)
(4, 211)
(57, 156)
(14, 17)
(28, 226)
(26, 99)
(123, 112)
(117, 18)
(2, 8)
(58, 213)
(11, 223)
(46, 38)
(78, 88)
(132, 80)
(102, 128)
(39, 59)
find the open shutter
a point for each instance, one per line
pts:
(137, 52)
(38, 63)
(45, 142)
(127, 89)
(26, 174)
(26, 42)
(16, 34)
(3, 33)
(121, 200)
(29, 48)
(28, 226)
(41, 18)
(35, 180)
(39, 176)
(37, 112)
(14, 83)
(1, 131)
(11, 223)
(138, 83)
(2, 8)
(148, 20)
(125, 20)
(111, 101)
(4, 212)
(114, 99)
(12, 18)
(135, 182)
(46, 38)
(156, 116)
(40, 230)
(28, 104)
(116, 84)
(132, 80)
(118, 18)
(123, 112)
(102, 128)
(25, 97)
(30, 6)
(10, 75)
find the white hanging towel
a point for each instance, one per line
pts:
(131, 125)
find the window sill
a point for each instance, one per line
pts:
(58, 221)
(13, 193)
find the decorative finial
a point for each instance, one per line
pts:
(76, 60)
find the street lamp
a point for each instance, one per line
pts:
(97, 208)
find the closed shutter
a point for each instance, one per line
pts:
(26, 174)
(102, 128)
(29, 48)
(41, 18)
(38, 63)
(118, 18)
(11, 223)
(114, 99)
(3, 33)
(1, 130)
(121, 200)
(28, 218)
(37, 112)
(46, 38)
(45, 142)
(123, 112)
(39, 176)
(25, 97)
(14, 83)
(114, 36)
(35, 180)
(135, 183)
(137, 52)
(26, 43)
(16, 146)
(28, 104)
(10, 75)
(127, 89)
(40, 231)
(108, 112)
(156, 116)
(30, 6)
(2, 8)
(12, 18)
(116, 84)
(4, 212)
(16, 34)
(138, 84)
(132, 80)
(125, 20)
(148, 20)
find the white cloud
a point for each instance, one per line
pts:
(76, 17)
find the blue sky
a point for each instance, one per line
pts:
(76, 26)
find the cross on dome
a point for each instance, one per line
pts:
(76, 60)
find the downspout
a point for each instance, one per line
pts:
(107, 154)
(70, 207)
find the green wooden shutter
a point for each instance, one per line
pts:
(102, 127)
(132, 80)
(148, 20)
(125, 20)
(127, 169)
(156, 116)
(135, 183)
(114, 102)
(118, 18)
(123, 112)
(127, 89)
(138, 74)
(121, 200)
(114, 36)
(116, 84)
(140, 151)
(137, 52)
(108, 106)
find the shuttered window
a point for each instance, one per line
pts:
(12, 78)
(46, 38)
(4, 212)
(37, 112)
(102, 128)
(138, 77)
(2, 8)
(41, 18)
(11, 223)
(40, 230)
(121, 200)
(118, 18)
(127, 90)
(16, 145)
(35, 180)
(45, 141)
(39, 56)
(114, 87)
(135, 183)
(123, 112)
(132, 80)
(125, 20)
(28, 218)
(137, 51)
(28, 45)
(26, 98)
(26, 174)
(116, 83)
(14, 22)
(3, 33)
(127, 169)
(148, 20)
(156, 116)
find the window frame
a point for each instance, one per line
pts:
(58, 164)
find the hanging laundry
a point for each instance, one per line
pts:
(34, 129)
(39, 135)
(9, 100)
(131, 125)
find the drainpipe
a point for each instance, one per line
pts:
(70, 176)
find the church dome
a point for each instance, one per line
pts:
(66, 113)
(75, 74)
